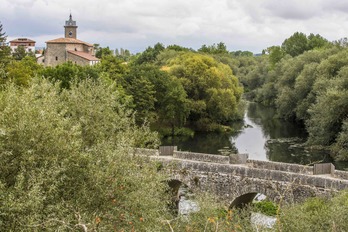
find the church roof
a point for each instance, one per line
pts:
(84, 55)
(69, 41)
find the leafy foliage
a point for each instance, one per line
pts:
(307, 86)
(316, 215)
(266, 207)
(5, 51)
(212, 89)
(21, 72)
(66, 161)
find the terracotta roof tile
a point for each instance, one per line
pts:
(69, 41)
(84, 55)
(22, 40)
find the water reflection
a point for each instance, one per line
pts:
(263, 136)
(202, 142)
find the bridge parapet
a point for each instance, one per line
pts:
(325, 182)
(146, 151)
(285, 167)
(212, 158)
(201, 157)
(215, 173)
(341, 174)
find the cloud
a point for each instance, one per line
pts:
(241, 25)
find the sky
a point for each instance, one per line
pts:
(248, 25)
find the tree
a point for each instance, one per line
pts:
(325, 123)
(296, 44)
(202, 78)
(67, 163)
(149, 56)
(21, 72)
(137, 83)
(2, 36)
(241, 53)
(19, 53)
(68, 73)
(317, 41)
(219, 48)
(114, 67)
(174, 106)
(177, 48)
(123, 54)
(101, 52)
(5, 50)
(276, 53)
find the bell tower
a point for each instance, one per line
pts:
(70, 28)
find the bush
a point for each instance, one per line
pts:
(316, 214)
(266, 207)
(66, 162)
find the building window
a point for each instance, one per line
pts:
(56, 57)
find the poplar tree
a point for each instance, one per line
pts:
(2, 35)
(4, 50)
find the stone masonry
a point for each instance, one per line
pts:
(236, 184)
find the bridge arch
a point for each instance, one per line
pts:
(246, 194)
(179, 191)
(241, 201)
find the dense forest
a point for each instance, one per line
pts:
(67, 133)
(179, 90)
(305, 80)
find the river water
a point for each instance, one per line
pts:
(261, 135)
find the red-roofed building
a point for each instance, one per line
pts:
(28, 44)
(70, 48)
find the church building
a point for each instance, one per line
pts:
(69, 48)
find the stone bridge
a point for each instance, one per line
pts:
(235, 180)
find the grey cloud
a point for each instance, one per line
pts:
(247, 24)
(340, 6)
(294, 10)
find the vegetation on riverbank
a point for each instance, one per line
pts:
(67, 133)
(307, 86)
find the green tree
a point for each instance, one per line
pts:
(174, 106)
(317, 41)
(138, 85)
(3, 36)
(177, 48)
(241, 53)
(276, 53)
(219, 48)
(67, 163)
(101, 52)
(19, 53)
(69, 73)
(114, 67)
(325, 122)
(295, 44)
(21, 72)
(150, 54)
(200, 75)
(5, 50)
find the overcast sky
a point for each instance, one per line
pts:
(136, 24)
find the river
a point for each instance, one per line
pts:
(261, 135)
